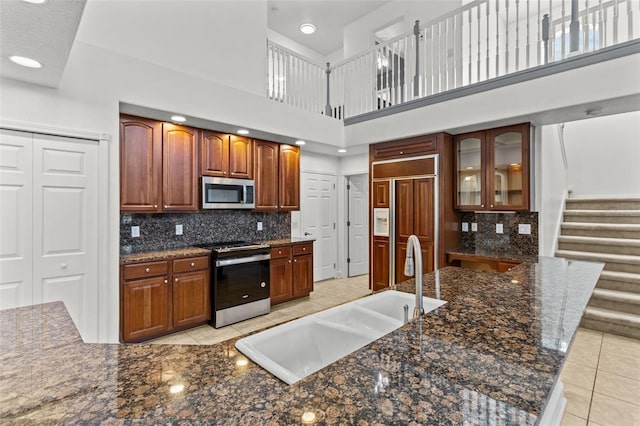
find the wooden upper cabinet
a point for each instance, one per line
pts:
(277, 175)
(411, 147)
(289, 178)
(140, 165)
(266, 175)
(493, 169)
(180, 172)
(225, 155)
(240, 157)
(381, 194)
(214, 154)
(508, 168)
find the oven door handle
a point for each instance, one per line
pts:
(240, 260)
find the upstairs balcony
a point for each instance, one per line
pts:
(483, 45)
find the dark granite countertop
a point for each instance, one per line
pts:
(287, 241)
(494, 254)
(148, 256)
(489, 356)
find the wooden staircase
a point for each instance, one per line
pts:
(607, 230)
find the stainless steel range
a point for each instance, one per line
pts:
(239, 281)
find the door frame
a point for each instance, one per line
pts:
(105, 302)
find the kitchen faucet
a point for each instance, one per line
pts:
(413, 248)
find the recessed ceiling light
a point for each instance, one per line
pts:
(25, 62)
(243, 132)
(307, 28)
(300, 142)
(35, 1)
(342, 150)
(178, 118)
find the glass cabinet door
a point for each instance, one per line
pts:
(470, 174)
(507, 171)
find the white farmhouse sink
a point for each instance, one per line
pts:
(294, 350)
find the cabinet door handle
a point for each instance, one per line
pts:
(166, 206)
(482, 205)
(491, 205)
(166, 281)
(401, 152)
(295, 260)
(155, 206)
(304, 249)
(289, 260)
(175, 279)
(147, 270)
(279, 251)
(193, 264)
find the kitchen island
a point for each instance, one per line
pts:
(492, 354)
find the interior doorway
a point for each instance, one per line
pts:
(357, 225)
(318, 216)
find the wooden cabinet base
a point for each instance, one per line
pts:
(162, 297)
(291, 272)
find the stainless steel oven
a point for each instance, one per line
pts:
(239, 282)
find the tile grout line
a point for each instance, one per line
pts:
(595, 378)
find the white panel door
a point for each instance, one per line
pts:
(65, 223)
(318, 212)
(358, 224)
(16, 188)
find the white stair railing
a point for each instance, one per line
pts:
(482, 40)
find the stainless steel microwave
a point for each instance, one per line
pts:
(226, 193)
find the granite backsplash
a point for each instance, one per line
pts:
(486, 238)
(158, 231)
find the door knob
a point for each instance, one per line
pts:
(63, 265)
(307, 233)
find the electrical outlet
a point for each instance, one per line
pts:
(524, 228)
(178, 229)
(135, 231)
(474, 227)
(465, 226)
(259, 226)
(499, 228)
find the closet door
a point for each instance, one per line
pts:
(16, 207)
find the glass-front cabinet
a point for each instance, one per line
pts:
(493, 169)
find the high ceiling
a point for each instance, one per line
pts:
(47, 31)
(329, 17)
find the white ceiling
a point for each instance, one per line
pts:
(329, 17)
(44, 32)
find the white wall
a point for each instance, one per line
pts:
(222, 40)
(296, 47)
(551, 187)
(604, 155)
(358, 35)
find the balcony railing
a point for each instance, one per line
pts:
(480, 41)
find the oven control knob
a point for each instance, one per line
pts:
(263, 284)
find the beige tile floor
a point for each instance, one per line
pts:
(601, 375)
(602, 380)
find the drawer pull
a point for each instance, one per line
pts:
(193, 264)
(175, 279)
(147, 270)
(245, 296)
(304, 249)
(155, 206)
(279, 251)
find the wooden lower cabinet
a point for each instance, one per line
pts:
(291, 272)
(160, 297)
(481, 263)
(380, 263)
(191, 299)
(145, 308)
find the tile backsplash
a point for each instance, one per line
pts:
(158, 231)
(486, 237)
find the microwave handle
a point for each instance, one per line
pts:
(244, 194)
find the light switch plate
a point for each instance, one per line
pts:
(499, 228)
(524, 228)
(259, 226)
(465, 226)
(474, 227)
(135, 231)
(178, 229)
